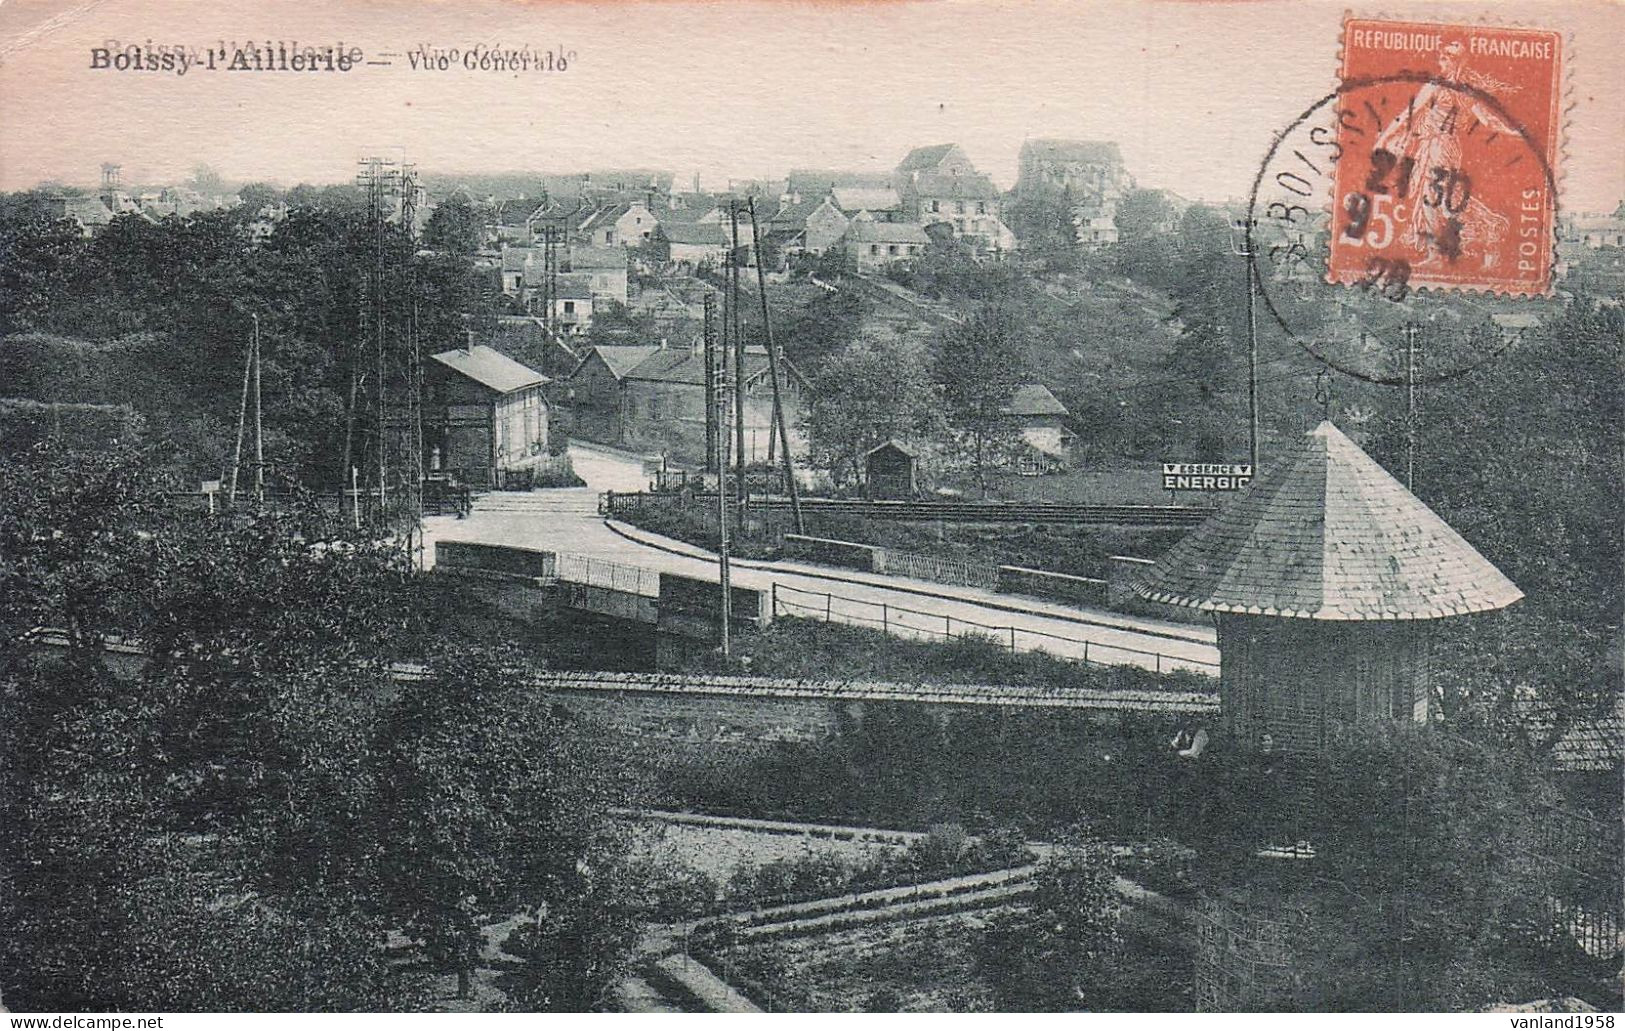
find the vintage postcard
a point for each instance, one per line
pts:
(907, 506)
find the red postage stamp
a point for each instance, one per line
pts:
(1447, 175)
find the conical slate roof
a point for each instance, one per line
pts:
(1327, 534)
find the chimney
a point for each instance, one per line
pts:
(468, 348)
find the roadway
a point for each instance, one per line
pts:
(567, 520)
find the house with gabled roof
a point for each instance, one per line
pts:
(818, 182)
(88, 213)
(940, 185)
(808, 226)
(627, 224)
(483, 413)
(873, 244)
(695, 243)
(605, 267)
(1039, 418)
(653, 399)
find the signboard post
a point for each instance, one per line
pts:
(1206, 476)
(210, 489)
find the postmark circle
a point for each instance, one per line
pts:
(1347, 317)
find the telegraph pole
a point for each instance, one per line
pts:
(1410, 406)
(1245, 250)
(717, 404)
(242, 420)
(739, 362)
(711, 422)
(773, 372)
(259, 420)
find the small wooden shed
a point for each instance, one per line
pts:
(890, 471)
(1324, 578)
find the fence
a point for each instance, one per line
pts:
(613, 576)
(612, 503)
(540, 471)
(1585, 853)
(916, 623)
(953, 571)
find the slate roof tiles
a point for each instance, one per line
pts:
(1327, 534)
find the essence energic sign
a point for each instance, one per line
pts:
(1205, 476)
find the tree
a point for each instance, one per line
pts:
(978, 367)
(1145, 250)
(874, 389)
(492, 804)
(235, 816)
(455, 226)
(1042, 221)
(1066, 952)
(1431, 876)
(256, 197)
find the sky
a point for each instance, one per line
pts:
(1191, 91)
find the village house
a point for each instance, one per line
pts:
(653, 399)
(883, 203)
(627, 224)
(572, 300)
(605, 268)
(1595, 232)
(88, 213)
(483, 413)
(695, 243)
(1039, 419)
(594, 390)
(873, 244)
(805, 226)
(819, 182)
(939, 184)
(515, 263)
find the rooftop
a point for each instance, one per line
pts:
(1090, 152)
(967, 187)
(491, 368)
(865, 198)
(708, 234)
(1326, 533)
(869, 230)
(622, 360)
(582, 258)
(1034, 399)
(925, 159)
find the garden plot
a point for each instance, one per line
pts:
(719, 852)
(924, 965)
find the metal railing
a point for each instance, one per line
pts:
(612, 503)
(906, 622)
(613, 576)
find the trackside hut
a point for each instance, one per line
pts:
(483, 412)
(890, 472)
(1324, 578)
